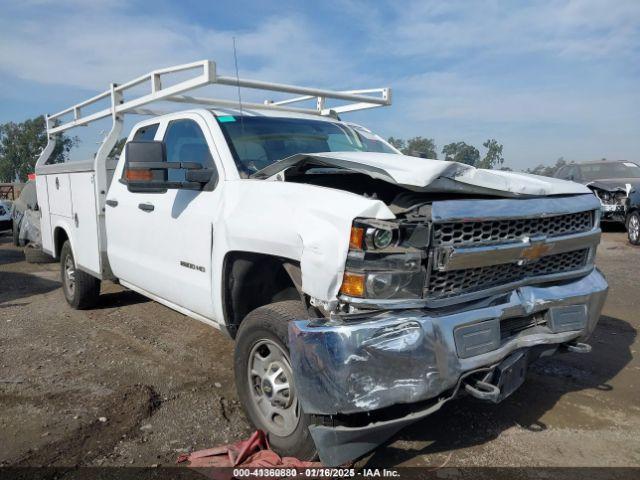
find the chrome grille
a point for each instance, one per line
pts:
(504, 231)
(444, 284)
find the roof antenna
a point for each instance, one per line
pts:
(235, 59)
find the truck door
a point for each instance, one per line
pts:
(162, 242)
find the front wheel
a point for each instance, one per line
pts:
(264, 379)
(633, 228)
(81, 290)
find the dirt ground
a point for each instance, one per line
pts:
(134, 383)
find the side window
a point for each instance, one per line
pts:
(577, 174)
(185, 142)
(146, 133)
(567, 173)
(572, 174)
(562, 173)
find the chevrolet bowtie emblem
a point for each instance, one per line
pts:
(535, 251)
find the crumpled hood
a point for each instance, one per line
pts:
(421, 174)
(615, 184)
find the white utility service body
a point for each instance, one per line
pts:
(418, 279)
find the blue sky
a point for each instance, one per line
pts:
(545, 78)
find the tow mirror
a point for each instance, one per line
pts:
(202, 176)
(146, 169)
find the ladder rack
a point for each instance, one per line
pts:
(204, 73)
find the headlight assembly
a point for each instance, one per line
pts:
(385, 261)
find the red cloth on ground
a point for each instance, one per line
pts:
(250, 453)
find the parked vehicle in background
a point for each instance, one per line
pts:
(26, 219)
(26, 201)
(364, 288)
(617, 186)
(633, 216)
(5, 214)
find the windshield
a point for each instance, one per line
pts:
(257, 142)
(595, 171)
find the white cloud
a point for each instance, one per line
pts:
(588, 28)
(452, 96)
(88, 50)
(447, 62)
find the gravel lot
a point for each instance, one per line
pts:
(134, 383)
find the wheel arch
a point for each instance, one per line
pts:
(60, 235)
(251, 280)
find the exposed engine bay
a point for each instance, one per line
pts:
(613, 199)
(432, 253)
(400, 200)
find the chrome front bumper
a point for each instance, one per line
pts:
(416, 355)
(409, 356)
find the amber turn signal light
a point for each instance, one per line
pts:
(139, 175)
(353, 284)
(356, 238)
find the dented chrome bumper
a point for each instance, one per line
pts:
(415, 355)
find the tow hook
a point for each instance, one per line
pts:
(502, 380)
(578, 347)
(483, 391)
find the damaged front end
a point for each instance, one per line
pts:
(613, 200)
(453, 296)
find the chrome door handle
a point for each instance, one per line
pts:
(112, 203)
(146, 207)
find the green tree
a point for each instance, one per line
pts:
(416, 146)
(547, 170)
(397, 143)
(560, 162)
(21, 144)
(493, 158)
(462, 153)
(421, 147)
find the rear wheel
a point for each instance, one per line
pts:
(81, 290)
(633, 228)
(264, 379)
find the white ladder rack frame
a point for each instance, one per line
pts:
(361, 99)
(205, 75)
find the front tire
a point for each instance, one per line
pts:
(633, 228)
(81, 290)
(265, 381)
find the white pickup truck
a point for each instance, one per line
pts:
(363, 288)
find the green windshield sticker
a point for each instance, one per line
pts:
(226, 118)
